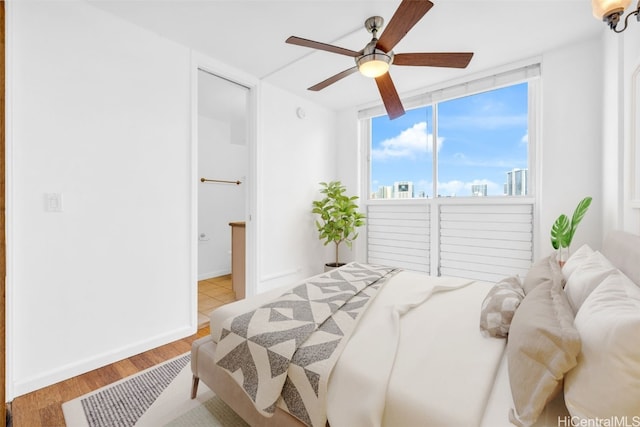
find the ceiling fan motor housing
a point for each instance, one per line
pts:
(373, 24)
(371, 54)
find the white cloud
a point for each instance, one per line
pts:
(462, 188)
(451, 188)
(409, 143)
(525, 138)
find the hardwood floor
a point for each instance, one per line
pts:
(43, 408)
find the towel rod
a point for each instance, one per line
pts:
(220, 180)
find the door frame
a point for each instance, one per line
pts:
(207, 64)
(3, 252)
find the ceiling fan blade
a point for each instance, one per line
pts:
(389, 96)
(440, 59)
(406, 16)
(331, 80)
(322, 46)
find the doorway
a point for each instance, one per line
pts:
(223, 161)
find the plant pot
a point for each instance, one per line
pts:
(562, 256)
(332, 265)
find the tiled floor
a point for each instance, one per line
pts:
(212, 293)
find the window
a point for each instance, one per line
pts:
(474, 145)
(450, 183)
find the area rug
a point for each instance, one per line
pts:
(158, 396)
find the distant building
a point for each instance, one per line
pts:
(479, 190)
(403, 190)
(517, 181)
(384, 192)
(399, 190)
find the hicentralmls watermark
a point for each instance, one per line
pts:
(623, 421)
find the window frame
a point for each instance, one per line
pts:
(533, 95)
(530, 73)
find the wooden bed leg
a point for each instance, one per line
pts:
(194, 387)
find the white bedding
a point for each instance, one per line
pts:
(500, 401)
(445, 372)
(434, 382)
(424, 387)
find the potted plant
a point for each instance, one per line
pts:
(563, 230)
(339, 217)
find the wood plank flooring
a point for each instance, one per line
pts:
(43, 408)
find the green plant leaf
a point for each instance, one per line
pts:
(559, 232)
(563, 229)
(338, 215)
(578, 214)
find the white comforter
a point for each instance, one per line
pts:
(417, 357)
(423, 364)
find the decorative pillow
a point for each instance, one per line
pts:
(499, 306)
(606, 382)
(543, 270)
(586, 277)
(576, 258)
(543, 345)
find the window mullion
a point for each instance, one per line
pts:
(434, 211)
(434, 150)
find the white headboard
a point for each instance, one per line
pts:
(623, 250)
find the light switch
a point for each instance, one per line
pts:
(53, 202)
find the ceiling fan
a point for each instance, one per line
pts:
(376, 57)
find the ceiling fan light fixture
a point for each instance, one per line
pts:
(374, 64)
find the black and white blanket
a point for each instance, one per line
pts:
(282, 353)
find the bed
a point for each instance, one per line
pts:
(555, 347)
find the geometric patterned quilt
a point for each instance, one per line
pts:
(282, 353)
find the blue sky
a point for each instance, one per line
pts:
(480, 138)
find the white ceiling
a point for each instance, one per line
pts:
(250, 35)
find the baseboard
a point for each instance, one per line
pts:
(74, 369)
(212, 274)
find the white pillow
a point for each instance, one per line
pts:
(586, 277)
(606, 381)
(576, 258)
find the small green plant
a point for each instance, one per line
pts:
(339, 216)
(563, 229)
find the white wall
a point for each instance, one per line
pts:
(572, 149)
(349, 173)
(620, 58)
(98, 111)
(220, 156)
(612, 132)
(630, 59)
(296, 155)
